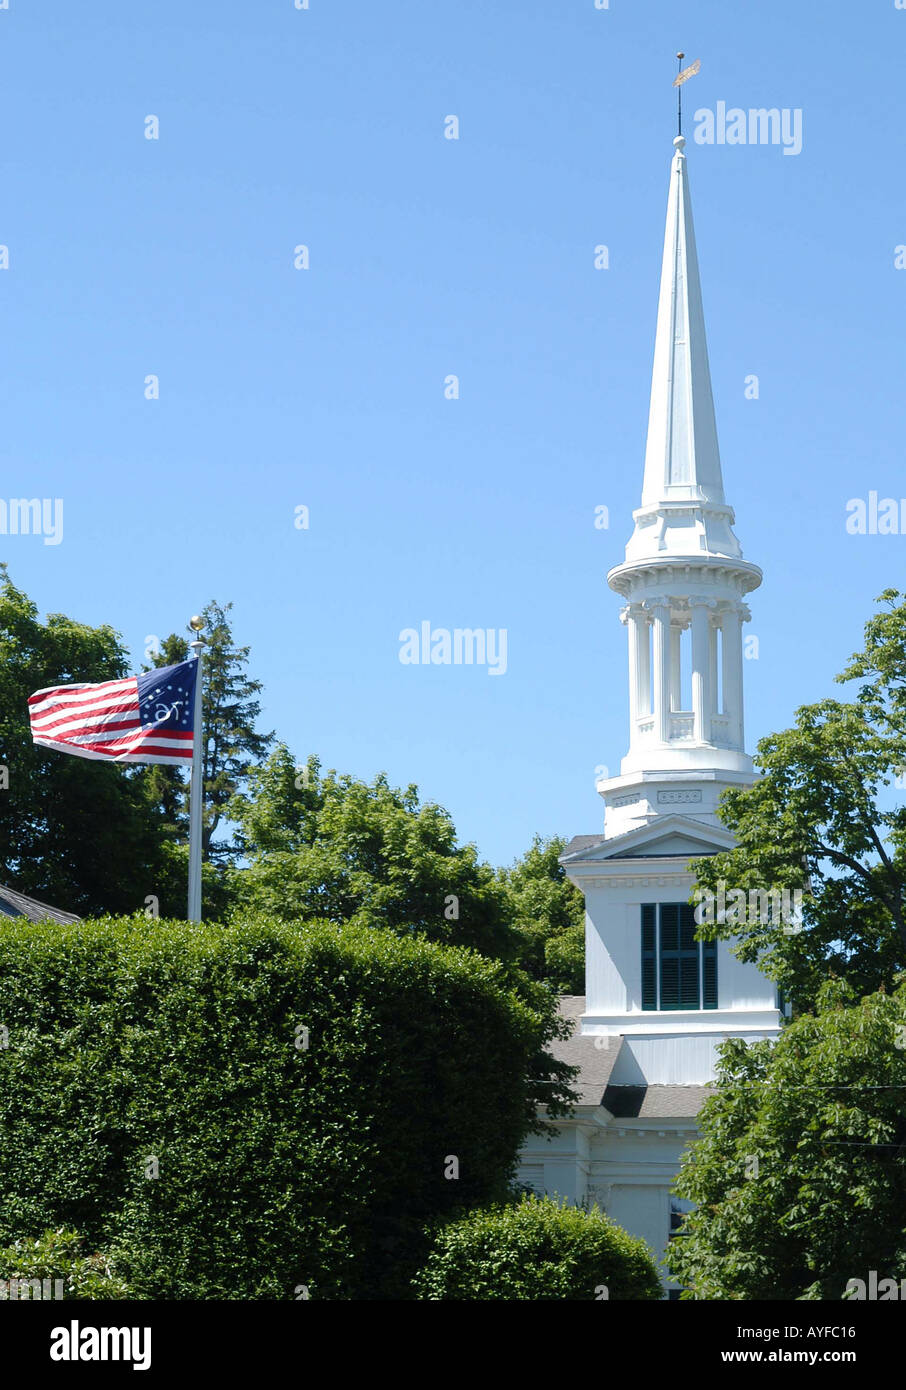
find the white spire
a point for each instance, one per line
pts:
(682, 459)
(683, 511)
(684, 578)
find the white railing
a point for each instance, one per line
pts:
(720, 729)
(681, 728)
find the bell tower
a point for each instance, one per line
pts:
(684, 578)
(658, 1002)
(671, 998)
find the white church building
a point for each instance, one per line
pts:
(658, 1003)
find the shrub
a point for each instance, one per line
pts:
(58, 1257)
(540, 1249)
(157, 1094)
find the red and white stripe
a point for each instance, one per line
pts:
(102, 721)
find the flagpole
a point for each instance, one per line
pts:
(196, 791)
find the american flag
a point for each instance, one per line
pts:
(142, 719)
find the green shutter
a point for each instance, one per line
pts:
(672, 972)
(687, 927)
(680, 958)
(689, 963)
(649, 963)
(709, 974)
(688, 968)
(670, 935)
(670, 926)
(670, 981)
(689, 981)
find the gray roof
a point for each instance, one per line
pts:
(595, 1063)
(595, 1058)
(13, 904)
(580, 842)
(655, 1102)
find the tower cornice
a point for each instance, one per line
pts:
(632, 576)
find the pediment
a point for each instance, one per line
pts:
(672, 836)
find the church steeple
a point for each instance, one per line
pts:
(684, 510)
(682, 459)
(658, 1003)
(684, 576)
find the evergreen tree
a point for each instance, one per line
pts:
(232, 744)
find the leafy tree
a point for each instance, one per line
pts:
(232, 744)
(817, 821)
(335, 847)
(77, 833)
(549, 914)
(537, 1249)
(297, 1090)
(799, 1178)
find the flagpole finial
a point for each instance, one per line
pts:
(196, 623)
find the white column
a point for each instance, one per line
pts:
(644, 650)
(731, 627)
(634, 701)
(676, 633)
(661, 672)
(712, 651)
(701, 673)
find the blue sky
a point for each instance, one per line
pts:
(430, 257)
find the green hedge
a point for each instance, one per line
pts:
(137, 1046)
(537, 1249)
